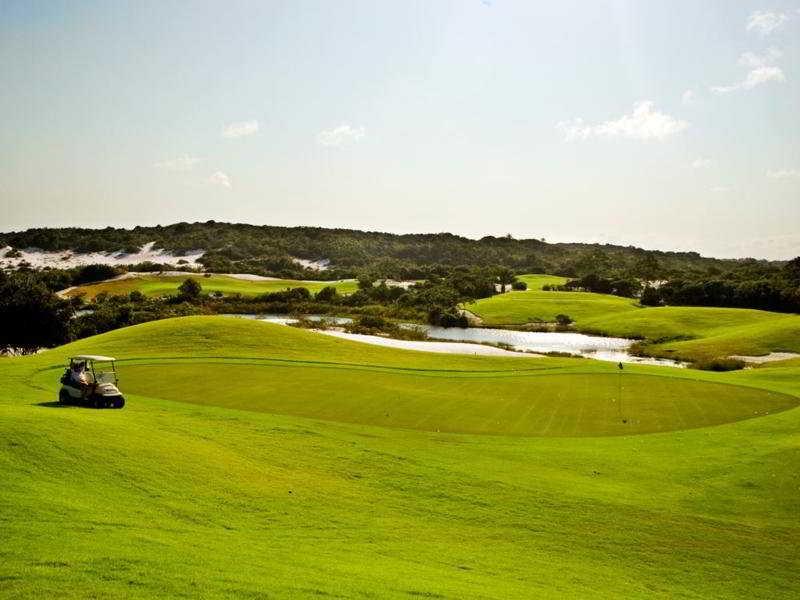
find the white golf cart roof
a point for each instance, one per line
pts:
(93, 357)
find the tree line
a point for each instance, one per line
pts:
(33, 316)
(269, 250)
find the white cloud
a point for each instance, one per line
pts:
(765, 22)
(688, 97)
(241, 129)
(338, 136)
(644, 123)
(182, 163)
(761, 74)
(220, 178)
(721, 189)
(753, 60)
(784, 174)
(701, 163)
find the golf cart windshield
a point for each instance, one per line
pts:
(97, 369)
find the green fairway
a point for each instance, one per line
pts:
(683, 332)
(531, 306)
(167, 285)
(538, 281)
(263, 461)
(715, 331)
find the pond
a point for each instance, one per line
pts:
(473, 340)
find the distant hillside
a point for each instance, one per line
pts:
(270, 250)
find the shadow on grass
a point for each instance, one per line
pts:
(57, 404)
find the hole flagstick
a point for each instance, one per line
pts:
(619, 389)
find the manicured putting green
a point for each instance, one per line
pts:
(519, 404)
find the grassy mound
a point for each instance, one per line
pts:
(166, 499)
(684, 332)
(167, 285)
(264, 367)
(715, 331)
(530, 306)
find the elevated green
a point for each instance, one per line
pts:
(169, 499)
(167, 285)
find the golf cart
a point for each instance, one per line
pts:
(92, 381)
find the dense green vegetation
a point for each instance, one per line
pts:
(183, 493)
(133, 299)
(232, 248)
(659, 278)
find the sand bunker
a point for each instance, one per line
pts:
(766, 358)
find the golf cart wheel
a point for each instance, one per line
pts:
(97, 402)
(63, 397)
(118, 402)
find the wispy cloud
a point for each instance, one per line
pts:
(220, 178)
(754, 61)
(721, 189)
(241, 129)
(784, 174)
(765, 22)
(644, 123)
(754, 78)
(688, 97)
(701, 163)
(182, 163)
(762, 71)
(339, 136)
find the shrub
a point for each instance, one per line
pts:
(720, 364)
(30, 315)
(372, 322)
(563, 320)
(650, 297)
(326, 294)
(92, 273)
(189, 290)
(519, 286)
(447, 317)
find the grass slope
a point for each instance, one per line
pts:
(163, 285)
(537, 281)
(685, 332)
(716, 331)
(173, 499)
(530, 306)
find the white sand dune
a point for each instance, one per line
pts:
(65, 259)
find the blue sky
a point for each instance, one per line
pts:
(670, 125)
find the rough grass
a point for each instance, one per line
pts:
(167, 285)
(169, 499)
